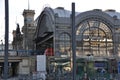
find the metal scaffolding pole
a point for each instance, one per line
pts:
(6, 40)
(73, 41)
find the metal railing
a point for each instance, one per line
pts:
(20, 52)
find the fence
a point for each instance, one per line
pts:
(34, 76)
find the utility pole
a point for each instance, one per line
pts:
(73, 42)
(6, 40)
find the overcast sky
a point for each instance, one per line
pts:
(16, 8)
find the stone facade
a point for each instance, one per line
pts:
(28, 29)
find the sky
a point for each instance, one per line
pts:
(16, 8)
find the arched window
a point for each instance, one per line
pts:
(94, 37)
(64, 44)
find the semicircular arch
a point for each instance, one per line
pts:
(46, 16)
(95, 15)
(94, 31)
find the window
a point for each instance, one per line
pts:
(64, 44)
(96, 38)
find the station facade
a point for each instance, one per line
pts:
(97, 37)
(97, 32)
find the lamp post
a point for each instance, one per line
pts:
(6, 40)
(73, 42)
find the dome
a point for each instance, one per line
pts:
(61, 12)
(113, 13)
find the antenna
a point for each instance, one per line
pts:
(16, 20)
(28, 5)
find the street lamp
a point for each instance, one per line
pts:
(1, 44)
(89, 57)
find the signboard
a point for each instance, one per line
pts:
(41, 63)
(99, 64)
(118, 67)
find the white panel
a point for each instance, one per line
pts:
(41, 63)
